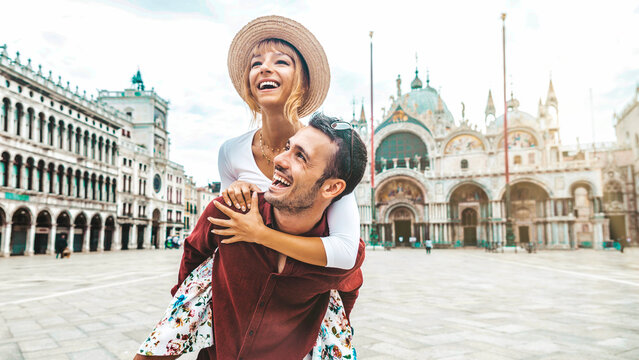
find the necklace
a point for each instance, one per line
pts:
(273, 150)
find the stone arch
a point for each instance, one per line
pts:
(109, 230)
(94, 233)
(541, 184)
(401, 218)
(462, 142)
(468, 182)
(383, 196)
(402, 149)
(424, 135)
(21, 221)
(44, 224)
(80, 228)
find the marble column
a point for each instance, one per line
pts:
(133, 239)
(51, 240)
(31, 240)
(6, 240)
(101, 239)
(147, 237)
(70, 237)
(116, 241)
(85, 239)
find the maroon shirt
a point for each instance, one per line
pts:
(258, 313)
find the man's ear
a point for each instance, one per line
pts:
(332, 188)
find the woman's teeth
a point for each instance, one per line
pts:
(269, 85)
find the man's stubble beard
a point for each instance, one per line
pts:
(297, 205)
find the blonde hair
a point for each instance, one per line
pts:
(300, 79)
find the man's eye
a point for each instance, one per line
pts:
(301, 156)
(287, 147)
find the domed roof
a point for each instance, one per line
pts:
(425, 99)
(515, 117)
(416, 83)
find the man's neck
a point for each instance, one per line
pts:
(300, 222)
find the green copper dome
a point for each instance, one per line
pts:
(425, 99)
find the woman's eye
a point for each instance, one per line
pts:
(282, 62)
(256, 63)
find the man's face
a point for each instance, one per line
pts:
(297, 171)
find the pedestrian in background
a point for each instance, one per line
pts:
(60, 245)
(429, 245)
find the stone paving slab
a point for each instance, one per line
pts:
(452, 304)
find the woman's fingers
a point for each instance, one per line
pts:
(223, 232)
(220, 222)
(228, 212)
(246, 194)
(225, 195)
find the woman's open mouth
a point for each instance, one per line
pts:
(268, 85)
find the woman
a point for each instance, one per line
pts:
(281, 72)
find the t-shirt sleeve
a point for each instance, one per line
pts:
(342, 242)
(227, 175)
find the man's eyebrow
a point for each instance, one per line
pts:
(301, 149)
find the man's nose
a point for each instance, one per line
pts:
(281, 160)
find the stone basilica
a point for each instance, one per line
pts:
(444, 180)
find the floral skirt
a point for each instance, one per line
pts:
(187, 324)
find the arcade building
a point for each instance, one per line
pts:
(444, 180)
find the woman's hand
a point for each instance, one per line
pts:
(241, 227)
(238, 194)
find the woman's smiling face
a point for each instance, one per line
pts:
(271, 78)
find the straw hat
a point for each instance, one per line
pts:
(278, 27)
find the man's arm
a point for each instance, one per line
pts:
(200, 245)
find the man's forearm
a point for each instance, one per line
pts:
(305, 249)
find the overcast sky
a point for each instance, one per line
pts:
(181, 48)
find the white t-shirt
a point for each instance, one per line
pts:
(236, 162)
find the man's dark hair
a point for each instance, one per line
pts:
(342, 161)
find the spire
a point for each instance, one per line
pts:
(551, 99)
(416, 83)
(362, 115)
(490, 105)
(399, 87)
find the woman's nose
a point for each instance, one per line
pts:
(265, 67)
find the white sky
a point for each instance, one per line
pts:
(181, 48)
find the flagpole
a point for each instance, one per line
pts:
(510, 237)
(373, 231)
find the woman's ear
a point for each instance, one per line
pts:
(332, 188)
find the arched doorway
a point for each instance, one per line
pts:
(43, 230)
(402, 220)
(80, 224)
(94, 234)
(613, 201)
(3, 223)
(470, 212)
(528, 208)
(20, 223)
(155, 228)
(109, 228)
(469, 223)
(126, 231)
(63, 223)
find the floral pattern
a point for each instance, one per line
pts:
(187, 324)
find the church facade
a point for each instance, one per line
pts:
(444, 180)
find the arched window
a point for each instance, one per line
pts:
(69, 182)
(30, 123)
(17, 119)
(42, 126)
(4, 169)
(93, 141)
(78, 140)
(464, 164)
(4, 114)
(613, 192)
(100, 145)
(114, 152)
(61, 129)
(51, 129)
(70, 137)
(29, 170)
(17, 172)
(78, 184)
(396, 148)
(40, 176)
(50, 178)
(85, 185)
(60, 180)
(469, 217)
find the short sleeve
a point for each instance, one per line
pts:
(227, 176)
(343, 223)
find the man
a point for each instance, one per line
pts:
(265, 305)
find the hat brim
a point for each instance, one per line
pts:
(278, 27)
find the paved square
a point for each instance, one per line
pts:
(452, 304)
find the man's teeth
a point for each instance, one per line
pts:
(278, 178)
(272, 84)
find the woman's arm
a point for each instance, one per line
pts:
(339, 249)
